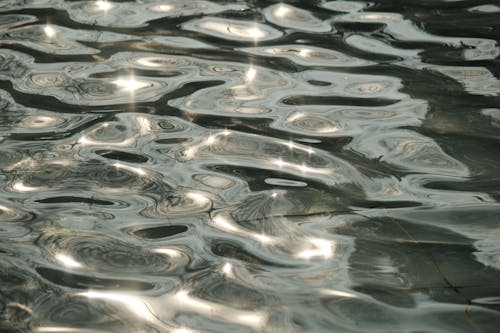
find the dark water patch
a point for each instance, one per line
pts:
(79, 281)
(325, 100)
(90, 201)
(122, 156)
(231, 250)
(138, 72)
(172, 141)
(161, 232)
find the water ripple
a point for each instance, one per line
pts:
(249, 166)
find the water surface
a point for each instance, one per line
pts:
(249, 166)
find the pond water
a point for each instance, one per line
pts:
(250, 166)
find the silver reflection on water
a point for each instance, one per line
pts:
(134, 304)
(67, 260)
(49, 31)
(19, 186)
(130, 84)
(103, 5)
(249, 166)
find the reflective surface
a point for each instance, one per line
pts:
(249, 166)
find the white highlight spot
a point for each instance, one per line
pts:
(198, 198)
(224, 223)
(281, 11)
(263, 238)
(279, 162)
(338, 293)
(173, 253)
(256, 33)
(49, 31)
(20, 187)
(291, 144)
(227, 269)
(255, 320)
(67, 260)
(183, 330)
(133, 303)
(149, 62)
(138, 171)
(103, 5)
(164, 8)
(250, 74)
(304, 53)
(130, 84)
(211, 140)
(318, 248)
(84, 140)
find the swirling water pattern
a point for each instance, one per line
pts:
(249, 166)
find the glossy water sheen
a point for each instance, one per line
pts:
(250, 166)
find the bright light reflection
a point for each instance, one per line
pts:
(83, 140)
(134, 304)
(198, 198)
(304, 53)
(173, 253)
(227, 269)
(210, 140)
(185, 298)
(224, 223)
(292, 145)
(183, 330)
(64, 163)
(42, 121)
(67, 260)
(320, 248)
(252, 319)
(24, 163)
(20, 187)
(103, 5)
(190, 152)
(135, 170)
(49, 31)
(130, 84)
(5, 209)
(164, 8)
(374, 16)
(296, 116)
(281, 11)
(256, 33)
(262, 238)
(250, 74)
(145, 125)
(302, 167)
(62, 329)
(338, 293)
(279, 162)
(149, 62)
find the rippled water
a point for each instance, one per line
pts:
(249, 166)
